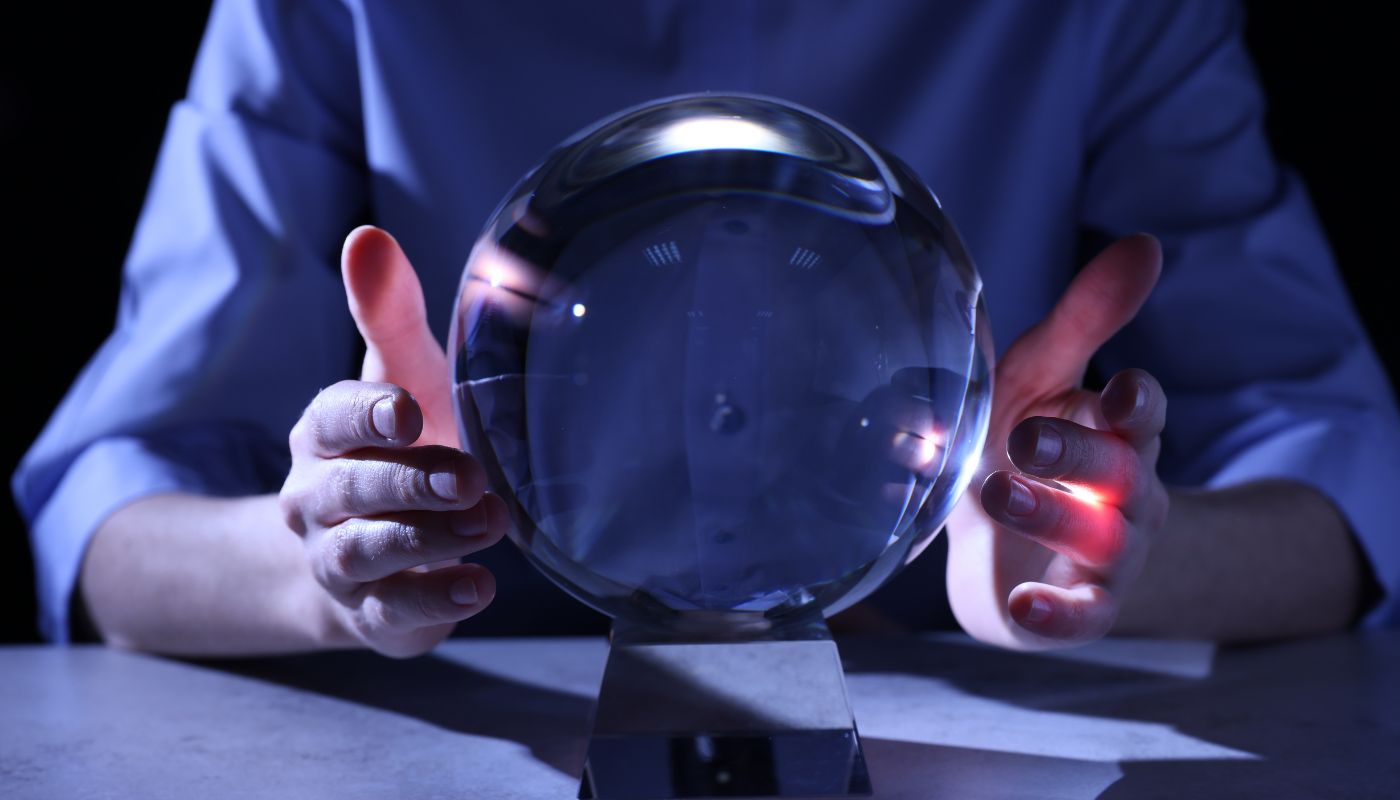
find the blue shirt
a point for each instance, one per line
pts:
(1045, 128)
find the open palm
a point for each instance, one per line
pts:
(1041, 551)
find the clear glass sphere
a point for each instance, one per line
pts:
(723, 359)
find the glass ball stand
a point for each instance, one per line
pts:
(682, 714)
(727, 364)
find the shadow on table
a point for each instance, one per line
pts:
(454, 697)
(1298, 715)
(553, 725)
(1293, 713)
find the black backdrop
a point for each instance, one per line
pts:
(84, 96)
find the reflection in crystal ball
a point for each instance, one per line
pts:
(723, 359)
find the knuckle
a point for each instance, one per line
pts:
(297, 439)
(325, 428)
(397, 483)
(424, 606)
(322, 404)
(324, 576)
(355, 427)
(410, 485)
(342, 554)
(292, 515)
(1074, 613)
(341, 485)
(339, 415)
(1130, 477)
(1054, 512)
(1080, 455)
(410, 540)
(379, 614)
(294, 502)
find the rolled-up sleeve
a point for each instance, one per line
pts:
(231, 314)
(1267, 367)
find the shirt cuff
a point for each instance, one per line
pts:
(109, 474)
(1349, 461)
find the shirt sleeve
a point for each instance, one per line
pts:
(1267, 367)
(232, 315)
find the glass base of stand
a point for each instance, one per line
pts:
(767, 717)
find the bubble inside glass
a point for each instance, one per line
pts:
(724, 360)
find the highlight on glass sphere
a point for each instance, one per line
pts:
(724, 360)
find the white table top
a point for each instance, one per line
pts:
(940, 716)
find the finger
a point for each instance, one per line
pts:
(373, 482)
(1098, 461)
(386, 302)
(352, 415)
(1077, 614)
(921, 455)
(891, 427)
(1102, 298)
(889, 438)
(1087, 531)
(361, 550)
(890, 407)
(410, 600)
(1135, 407)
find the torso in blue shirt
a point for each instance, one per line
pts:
(1044, 128)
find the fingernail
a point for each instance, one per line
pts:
(1048, 446)
(1020, 501)
(382, 417)
(471, 522)
(443, 482)
(1039, 610)
(1139, 400)
(463, 592)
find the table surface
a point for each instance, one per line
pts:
(940, 716)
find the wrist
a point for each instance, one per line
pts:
(1267, 559)
(318, 619)
(302, 607)
(1146, 609)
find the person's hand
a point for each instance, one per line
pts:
(378, 490)
(1041, 554)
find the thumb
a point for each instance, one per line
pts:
(1102, 298)
(386, 301)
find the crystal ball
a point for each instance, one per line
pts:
(724, 359)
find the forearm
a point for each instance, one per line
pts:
(190, 575)
(1265, 560)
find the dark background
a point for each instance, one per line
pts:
(84, 95)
